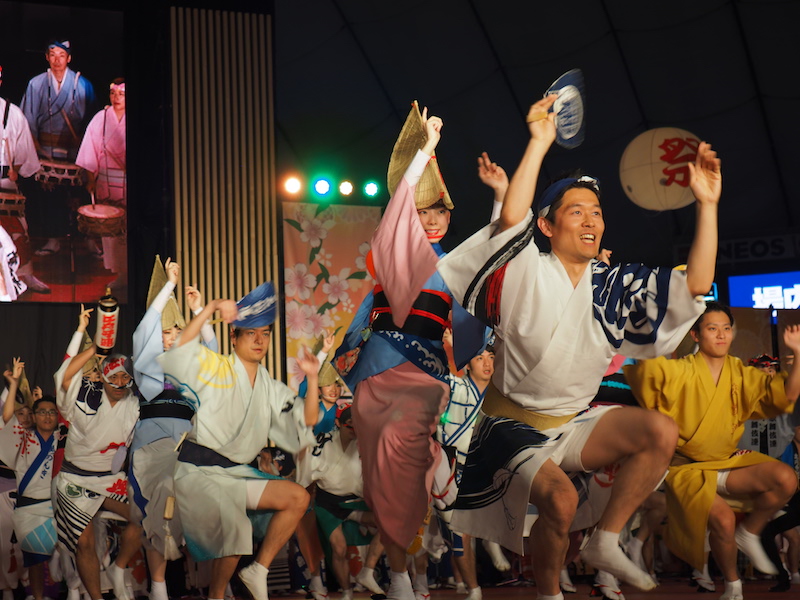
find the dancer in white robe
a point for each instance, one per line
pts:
(559, 319)
(103, 155)
(101, 416)
(30, 452)
(239, 407)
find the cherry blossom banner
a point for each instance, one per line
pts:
(325, 250)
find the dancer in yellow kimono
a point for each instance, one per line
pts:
(710, 395)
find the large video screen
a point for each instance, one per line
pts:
(63, 176)
(778, 290)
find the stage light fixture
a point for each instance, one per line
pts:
(292, 185)
(371, 189)
(345, 188)
(322, 187)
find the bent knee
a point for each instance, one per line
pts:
(558, 507)
(785, 480)
(721, 520)
(299, 499)
(660, 433)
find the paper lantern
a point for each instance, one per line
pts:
(654, 168)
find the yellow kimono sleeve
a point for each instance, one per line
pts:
(656, 383)
(764, 396)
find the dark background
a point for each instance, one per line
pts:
(347, 70)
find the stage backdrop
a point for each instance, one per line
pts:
(325, 274)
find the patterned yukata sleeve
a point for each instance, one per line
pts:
(288, 427)
(475, 270)
(644, 312)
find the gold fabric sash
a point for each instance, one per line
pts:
(497, 405)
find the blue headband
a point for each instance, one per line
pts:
(63, 45)
(557, 188)
(257, 309)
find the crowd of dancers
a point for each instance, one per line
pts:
(177, 438)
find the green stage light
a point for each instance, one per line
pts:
(371, 189)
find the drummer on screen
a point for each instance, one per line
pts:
(18, 160)
(102, 155)
(56, 104)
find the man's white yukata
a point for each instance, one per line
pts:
(458, 420)
(9, 265)
(232, 424)
(31, 457)
(10, 551)
(16, 145)
(103, 153)
(97, 432)
(554, 342)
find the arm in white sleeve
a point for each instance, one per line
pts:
(160, 301)
(416, 168)
(496, 208)
(75, 344)
(206, 331)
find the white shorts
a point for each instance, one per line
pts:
(255, 488)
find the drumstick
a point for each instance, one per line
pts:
(92, 196)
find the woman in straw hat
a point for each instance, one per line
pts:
(400, 376)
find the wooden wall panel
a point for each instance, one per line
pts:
(226, 212)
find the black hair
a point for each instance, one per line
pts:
(43, 399)
(712, 306)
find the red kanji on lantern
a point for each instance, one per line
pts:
(679, 152)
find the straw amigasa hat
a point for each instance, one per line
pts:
(171, 315)
(93, 363)
(24, 390)
(431, 188)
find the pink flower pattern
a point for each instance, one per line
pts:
(328, 279)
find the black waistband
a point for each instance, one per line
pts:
(323, 497)
(201, 456)
(27, 501)
(165, 409)
(427, 319)
(68, 467)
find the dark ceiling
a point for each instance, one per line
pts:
(347, 70)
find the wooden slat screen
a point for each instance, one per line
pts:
(226, 211)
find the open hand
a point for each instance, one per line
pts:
(705, 175)
(491, 173)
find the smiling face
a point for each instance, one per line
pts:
(578, 226)
(714, 334)
(251, 345)
(329, 394)
(115, 386)
(435, 221)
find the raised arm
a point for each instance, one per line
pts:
(433, 129)
(309, 365)
(228, 311)
(79, 361)
(519, 197)
(791, 337)
(195, 301)
(493, 175)
(12, 378)
(706, 184)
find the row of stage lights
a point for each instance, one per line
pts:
(323, 188)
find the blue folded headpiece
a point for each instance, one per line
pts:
(257, 309)
(64, 45)
(557, 188)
